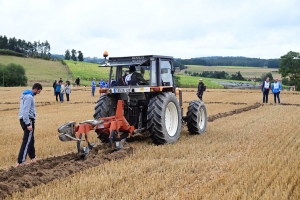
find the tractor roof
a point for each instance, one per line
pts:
(132, 60)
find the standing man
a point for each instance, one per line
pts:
(77, 81)
(27, 115)
(201, 89)
(62, 91)
(265, 88)
(101, 83)
(276, 88)
(54, 85)
(93, 87)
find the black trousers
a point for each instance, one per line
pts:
(265, 96)
(67, 96)
(27, 147)
(57, 94)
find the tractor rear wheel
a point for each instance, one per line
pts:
(105, 107)
(196, 117)
(164, 118)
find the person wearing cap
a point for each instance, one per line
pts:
(135, 78)
(93, 87)
(276, 88)
(201, 89)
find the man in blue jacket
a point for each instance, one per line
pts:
(276, 88)
(27, 115)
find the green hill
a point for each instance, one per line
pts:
(38, 70)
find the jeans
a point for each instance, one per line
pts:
(276, 95)
(265, 96)
(57, 94)
(93, 91)
(67, 95)
(61, 97)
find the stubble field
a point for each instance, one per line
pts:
(249, 151)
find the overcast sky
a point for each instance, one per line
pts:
(183, 29)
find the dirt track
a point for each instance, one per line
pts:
(46, 170)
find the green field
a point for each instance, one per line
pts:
(247, 72)
(192, 81)
(38, 70)
(87, 71)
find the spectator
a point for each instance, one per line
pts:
(27, 116)
(57, 91)
(201, 89)
(101, 83)
(77, 81)
(276, 88)
(106, 84)
(265, 88)
(62, 91)
(54, 84)
(93, 87)
(68, 90)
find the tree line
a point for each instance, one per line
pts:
(73, 55)
(231, 61)
(33, 49)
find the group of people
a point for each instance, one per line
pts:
(276, 87)
(102, 84)
(60, 89)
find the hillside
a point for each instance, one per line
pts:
(38, 70)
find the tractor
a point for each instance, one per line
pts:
(149, 104)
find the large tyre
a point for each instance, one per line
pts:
(105, 107)
(164, 118)
(196, 117)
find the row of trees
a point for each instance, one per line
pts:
(231, 61)
(34, 49)
(73, 55)
(217, 74)
(12, 75)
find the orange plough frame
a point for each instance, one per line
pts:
(108, 126)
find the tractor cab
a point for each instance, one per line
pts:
(154, 70)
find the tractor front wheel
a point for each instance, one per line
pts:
(196, 117)
(164, 118)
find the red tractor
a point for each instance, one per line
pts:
(141, 98)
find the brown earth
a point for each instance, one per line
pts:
(233, 112)
(46, 170)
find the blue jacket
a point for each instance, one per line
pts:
(278, 89)
(93, 84)
(27, 107)
(57, 88)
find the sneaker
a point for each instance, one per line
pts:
(20, 164)
(33, 160)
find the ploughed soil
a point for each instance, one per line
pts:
(43, 171)
(233, 112)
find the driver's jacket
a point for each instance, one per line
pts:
(135, 78)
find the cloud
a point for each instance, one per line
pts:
(193, 28)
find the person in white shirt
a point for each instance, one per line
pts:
(265, 88)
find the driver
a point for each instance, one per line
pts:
(135, 78)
